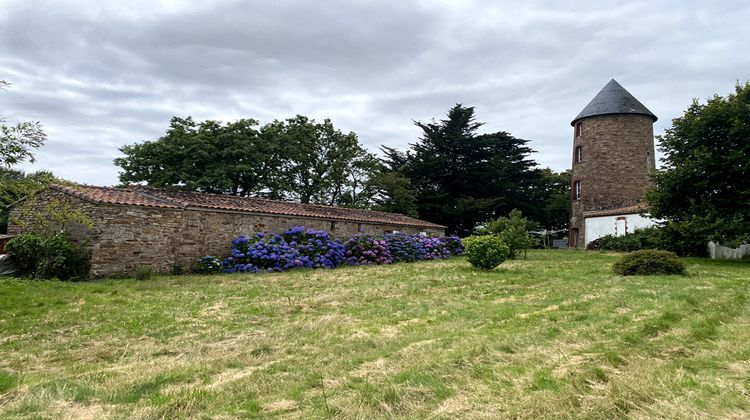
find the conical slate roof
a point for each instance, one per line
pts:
(613, 99)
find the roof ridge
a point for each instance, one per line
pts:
(164, 200)
(80, 191)
(143, 195)
(240, 197)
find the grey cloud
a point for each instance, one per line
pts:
(100, 75)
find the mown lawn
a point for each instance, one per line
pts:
(556, 335)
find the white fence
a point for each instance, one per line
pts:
(717, 251)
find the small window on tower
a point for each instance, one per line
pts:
(579, 154)
(579, 129)
(577, 190)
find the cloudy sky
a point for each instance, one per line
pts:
(99, 75)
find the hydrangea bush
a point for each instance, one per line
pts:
(297, 247)
(403, 247)
(300, 247)
(410, 248)
(315, 245)
(365, 250)
(431, 248)
(454, 244)
(208, 265)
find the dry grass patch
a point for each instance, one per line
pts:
(553, 336)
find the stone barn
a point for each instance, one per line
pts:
(162, 229)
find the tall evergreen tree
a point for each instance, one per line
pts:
(462, 178)
(393, 191)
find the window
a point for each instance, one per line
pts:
(579, 154)
(579, 129)
(359, 227)
(577, 190)
(621, 226)
(333, 226)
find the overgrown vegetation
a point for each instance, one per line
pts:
(298, 159)
(681, 238)
(648, 262)
(16, 185)
(645, 238)
(513, 230)
(54, 241)
(143, 273)
(557, 335)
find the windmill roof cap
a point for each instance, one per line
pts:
(613, 99)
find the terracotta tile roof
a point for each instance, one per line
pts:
(638, 208)
(109, 195)
(156, 197)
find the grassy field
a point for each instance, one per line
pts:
(554, 335)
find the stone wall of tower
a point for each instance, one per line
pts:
(617, 159)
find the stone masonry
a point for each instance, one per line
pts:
(128, 237)
(617, 160)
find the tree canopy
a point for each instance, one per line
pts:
(703, 189)
(18, 141)
(452, 175)
(459, 178)
(297, 159)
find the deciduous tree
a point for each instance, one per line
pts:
(703, 188)
(296, 159)
(208, 156)
(18, 141)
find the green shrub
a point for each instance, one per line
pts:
(645, 238)
(648, 262)
(485, 251)
(26, 250)
(54, 240)
(177, 270)
(208, 265)
(63, 259)
(142, 273)
(685, 239)
(513, 230)
(46, 257)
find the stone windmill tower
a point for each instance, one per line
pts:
(613, 157)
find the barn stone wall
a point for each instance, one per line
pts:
(617, 161)
(127, 237)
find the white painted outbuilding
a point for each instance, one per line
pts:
(616, 222)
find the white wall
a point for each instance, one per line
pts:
(596, 227)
